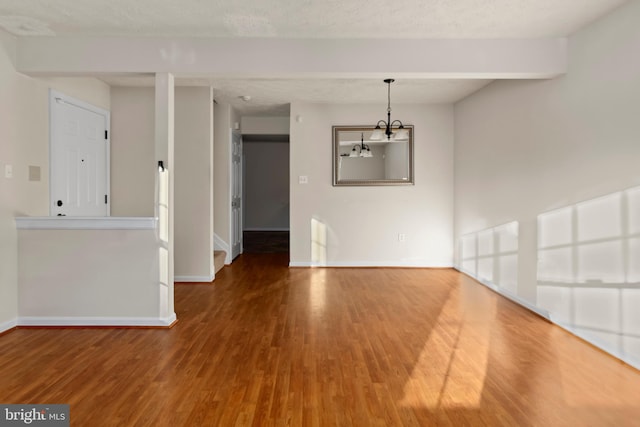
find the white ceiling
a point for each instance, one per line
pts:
(303, 18)
(366, 19)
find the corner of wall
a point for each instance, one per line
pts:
(8, 325)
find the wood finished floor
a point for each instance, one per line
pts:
(269, 345)
(265, 242)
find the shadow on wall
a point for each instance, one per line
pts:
(491, 257)
(589, 271)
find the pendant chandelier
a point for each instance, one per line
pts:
(361, 150)
(400, 134)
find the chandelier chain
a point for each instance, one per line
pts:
(388, 124)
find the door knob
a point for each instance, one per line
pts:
(59, 203)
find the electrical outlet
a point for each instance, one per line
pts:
(8, 171)
(402, 237)
(303, 179)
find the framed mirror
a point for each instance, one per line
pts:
(359, 160)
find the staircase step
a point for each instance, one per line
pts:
(218, 259)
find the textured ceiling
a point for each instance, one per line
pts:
(303, 18)
(377, 19)
(340, 91)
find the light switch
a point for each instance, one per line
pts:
(303, 179)
(8, 171)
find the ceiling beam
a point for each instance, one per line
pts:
(288, 58)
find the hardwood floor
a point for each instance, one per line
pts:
(265, 242)
(269, 345)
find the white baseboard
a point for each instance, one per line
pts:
(199, 279)
(221, 245)
(356, 264)
(5, 326)
(86, 223)
(630, 360)
(544, 313)
(299, 264)
(497, 289)
(97, 321)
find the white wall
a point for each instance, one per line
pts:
(86, 89)
(104, 277)
(132, 151)
(524, 148)
(11, 86)
(193, 184)
(360, 225)
(24, 142)
(265, 125)
(266, 183)
(133, 170)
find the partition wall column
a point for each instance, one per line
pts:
(164, 151)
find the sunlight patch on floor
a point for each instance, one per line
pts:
(613, 391)
(318, 292)
(451, 369)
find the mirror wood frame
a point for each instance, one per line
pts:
(336, 130)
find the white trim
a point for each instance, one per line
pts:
(203, 279)
(626, 358)
(266, 229)
(503, 292)
(544, 313)
(299, 264)
(357, 264)
(85, 223)
(97, 321)
(233, 132)
(8, 325)
(221, 245)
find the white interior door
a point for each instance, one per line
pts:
(236, 194)
(79, 153)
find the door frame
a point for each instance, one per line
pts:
(231, 185)
(56, 97)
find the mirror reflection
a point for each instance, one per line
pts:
(363, 157)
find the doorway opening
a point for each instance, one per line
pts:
(266, 194)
